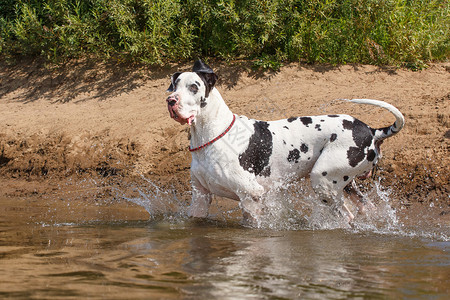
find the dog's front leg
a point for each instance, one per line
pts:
(252, 206)
(252, 210)
(201, 201)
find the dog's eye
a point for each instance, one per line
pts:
(193, 88)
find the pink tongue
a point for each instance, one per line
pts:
(189, 120)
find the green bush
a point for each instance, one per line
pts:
(269, 32)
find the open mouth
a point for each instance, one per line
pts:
(180, 119)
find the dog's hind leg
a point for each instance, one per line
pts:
(328, 182)
(358, 199)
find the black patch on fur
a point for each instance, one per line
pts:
(355, 155)
(333, 137)
(333, 116)
(371, 155)
(284, 142)
(209, 81)
(202, 102)
(334, 181)
(255, 159)
(286, 127)
(324, 173)
(291, 119)
(304, 148)
(362, 136)
(346, 178)
(294, 156)
(347, 124)
(306, 121)
(318, 127)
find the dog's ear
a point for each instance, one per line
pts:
(172, 81)
(201, 67)
(206, 74)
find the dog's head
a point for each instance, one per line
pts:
(190, 92)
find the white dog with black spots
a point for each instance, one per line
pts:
(242, 159)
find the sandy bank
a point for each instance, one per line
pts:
(107, 121)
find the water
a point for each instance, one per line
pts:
(61, 248)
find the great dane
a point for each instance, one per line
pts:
(242, 159)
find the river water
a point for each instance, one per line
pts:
(60, 248)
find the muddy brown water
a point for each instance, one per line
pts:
(65, 249)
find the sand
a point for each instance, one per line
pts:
(88, 125)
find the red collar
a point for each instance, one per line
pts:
(215, 139)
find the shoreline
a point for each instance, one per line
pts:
(89, 120)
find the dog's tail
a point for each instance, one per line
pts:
(383, 133)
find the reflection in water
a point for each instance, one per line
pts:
(335, 264)
(180, 259)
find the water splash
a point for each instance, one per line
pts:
(296, 207)
(291, 207)
(158, 202)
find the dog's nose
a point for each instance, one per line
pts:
(172, 100)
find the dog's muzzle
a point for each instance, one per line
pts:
(173, 107)
(172, 101)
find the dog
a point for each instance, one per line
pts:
(242, 159)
